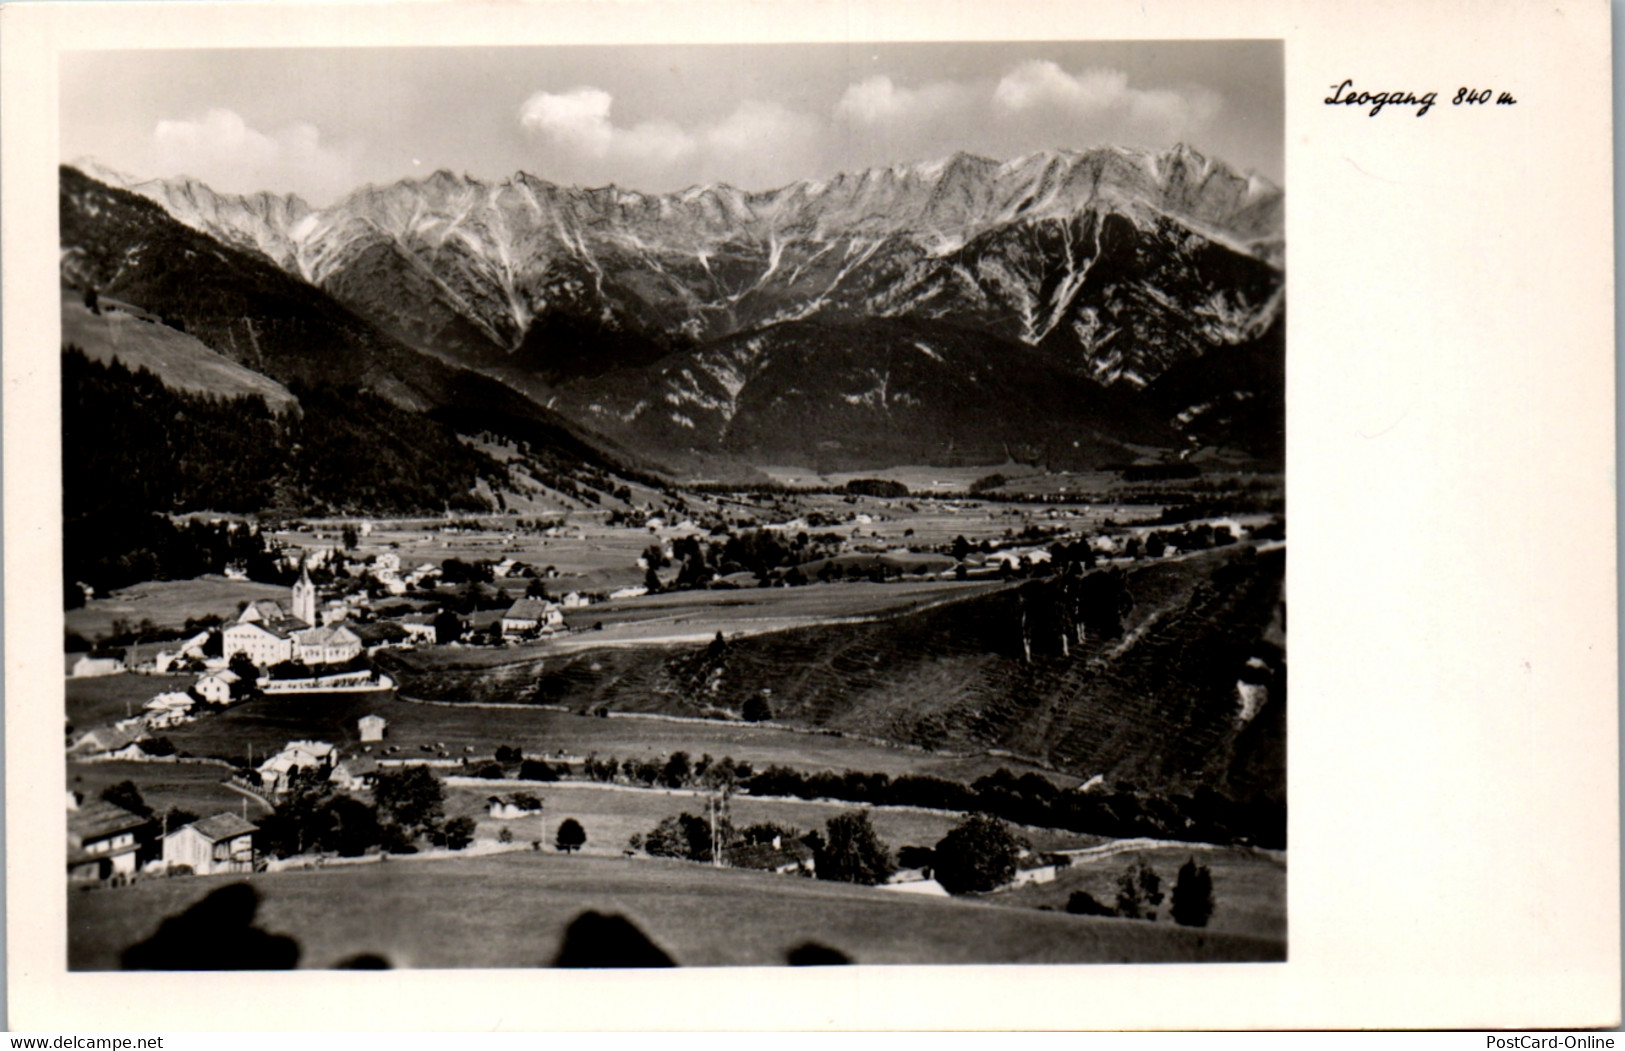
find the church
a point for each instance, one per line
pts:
(269, 634)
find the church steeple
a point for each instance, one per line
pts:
(304, 596)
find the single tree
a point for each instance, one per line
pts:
(676, 772)
(1139, 892)
(412, 797)
(850, 852)
(448, 627)
(536, 770)
(976, 856)
(125, 794)
(571, 835)
(757, 709)
(458, 833)
(248, 676)
(177, 818)
(1193, 895)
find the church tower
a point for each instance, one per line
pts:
(304, 597)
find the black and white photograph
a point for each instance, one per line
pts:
(674, 505)
(770, 516)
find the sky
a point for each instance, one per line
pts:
(321, 122)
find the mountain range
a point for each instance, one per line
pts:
(1061, 307)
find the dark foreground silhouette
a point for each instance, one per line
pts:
(216, 934)
(596, 940)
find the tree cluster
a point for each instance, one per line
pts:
(1033, 799)
(1140, 894)
(976, 856)
(408, 807)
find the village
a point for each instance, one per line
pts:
(171, 790)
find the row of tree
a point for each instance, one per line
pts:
(977, 855)
(1204, 815)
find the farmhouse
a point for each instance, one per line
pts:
(215, 687)
(88, 667)
(168, 709)
(352, 775)
(222, 843)
(1038, 868)
(532, 615)
(777, 856)
(277, 771)
(104, 840)
(106, 740)
(419, 627)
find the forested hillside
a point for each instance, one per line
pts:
(1131, 675)
(134, 448)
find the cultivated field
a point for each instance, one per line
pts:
(169, 603)
(511, 910)
(106, 699)
(611, 815)
(197, 787)
(1249, 886)
(697, 616)
(267, 723)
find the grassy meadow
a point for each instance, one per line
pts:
(511, 910)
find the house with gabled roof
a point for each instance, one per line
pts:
(88, 667)
(104, 840)
(105, 740)
(215, 687)
(277, 772)
(781, 856)
(530, 615)
(355, 773)
(222, 843)
(332, 644)
(262, 611)
(265, 642)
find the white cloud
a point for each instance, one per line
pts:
(877, 102)
(875, 121)
(1043, 92)
(754, 141)
(230, 156)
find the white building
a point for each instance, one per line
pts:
(222, 843)
(263, 642)
(215, 687)
(333, 644)
(276, 771)
(88, 667)
(372, 727)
